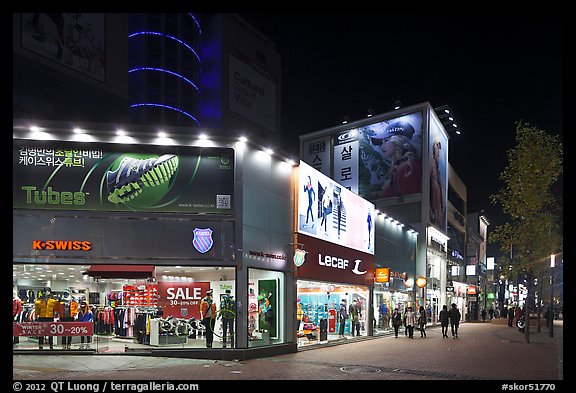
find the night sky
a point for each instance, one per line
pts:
(491, 69)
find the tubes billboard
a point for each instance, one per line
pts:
(72, 176)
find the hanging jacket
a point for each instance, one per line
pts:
(50, 307)
(16, 306)
(204, 306)
(40, 308)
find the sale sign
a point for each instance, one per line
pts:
(181, 299)
(52, 328)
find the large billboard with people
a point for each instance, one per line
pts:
(329, 211)
(378, 160)
(438, 164)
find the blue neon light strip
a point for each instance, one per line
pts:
(167, 36)
(167, 107)
(169, 72)
(197, 24)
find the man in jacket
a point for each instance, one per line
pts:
(343, 316)
(355, 313)
(454, 316)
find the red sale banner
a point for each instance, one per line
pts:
(181, 299)
(52, 328)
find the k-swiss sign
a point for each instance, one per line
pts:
(330, 262)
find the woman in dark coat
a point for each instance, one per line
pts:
(396, 321)
(444, 319)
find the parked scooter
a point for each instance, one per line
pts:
(521, 324)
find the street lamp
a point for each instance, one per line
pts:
(421, 283)
(551, 306)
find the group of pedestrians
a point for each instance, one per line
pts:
(411, 319)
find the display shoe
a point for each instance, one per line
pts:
(126, 182)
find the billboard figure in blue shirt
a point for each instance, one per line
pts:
(369, 220)
(309, 188)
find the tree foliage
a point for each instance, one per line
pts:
(534, 231)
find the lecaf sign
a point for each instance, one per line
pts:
(327, 261)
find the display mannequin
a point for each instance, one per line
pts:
(228, 313)
(67, 309)
(16, 310)
(208, 313)
(44, 310)
(85, 315)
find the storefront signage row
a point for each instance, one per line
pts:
(384, 274)
(65, 245)
(330, 262)
(52, 329)
(270, 255)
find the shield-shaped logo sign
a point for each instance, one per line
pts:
(299, 257)
(202, 239)
(184, 312)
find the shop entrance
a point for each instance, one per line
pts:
(318, 316)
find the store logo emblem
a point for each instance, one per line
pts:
(299, 257)
(202, 239)
(355, 270)
(184, 312)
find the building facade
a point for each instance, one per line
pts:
(399, 161)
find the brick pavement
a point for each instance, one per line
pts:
(484, 351)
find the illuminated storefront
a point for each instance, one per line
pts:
(329, 277)
(335, 258)
(141, 229)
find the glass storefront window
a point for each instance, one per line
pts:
(161, 311)
(318, 311)
(266, 307)
(385, 301)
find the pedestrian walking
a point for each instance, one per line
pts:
(454, 316)
(443, 316)
(343, 316)
(396, 321)
(483, 313)
(410, 322)
(355, 313)
(404, 321)
(511, 312)
(422, 320)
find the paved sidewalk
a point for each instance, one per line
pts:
(483, 351)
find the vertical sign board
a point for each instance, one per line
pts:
(251, 94)
(346, 154)
(316, 153)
